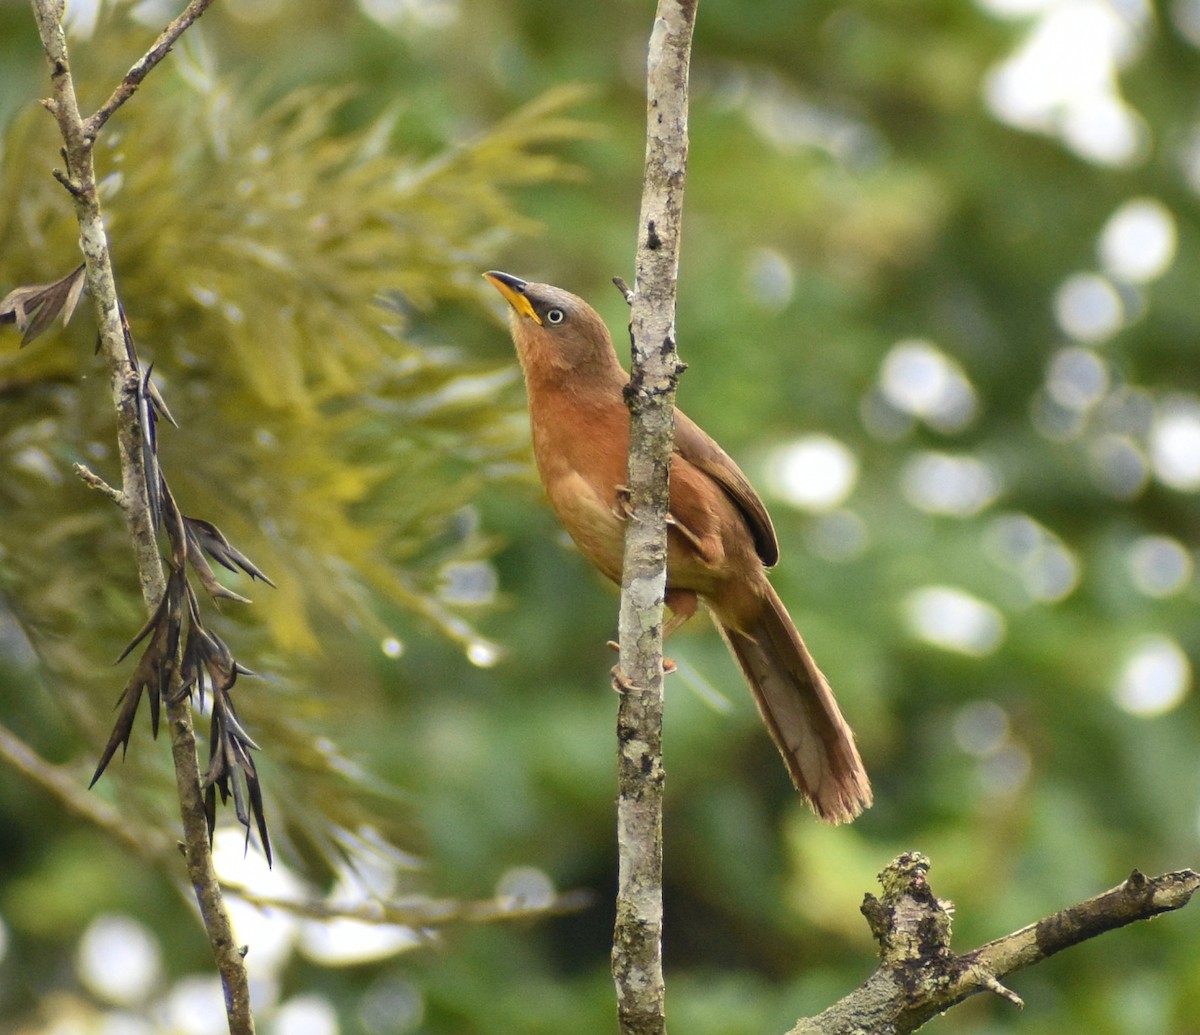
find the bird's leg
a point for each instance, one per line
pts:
(683, 604)
(692, 538)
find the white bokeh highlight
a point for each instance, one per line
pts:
(815, 473)
(1047, 569)
(119, 959)
(1089, 308)
(919, 379)
(1155, 679)
(1139, 241)
(1160, 566)
(955, 620)
(1062, 79)
(1175, 442)
(954, 486)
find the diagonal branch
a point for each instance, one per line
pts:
(144, 65)
(637, 937)
(918, 977)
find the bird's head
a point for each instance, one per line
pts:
(550, 325)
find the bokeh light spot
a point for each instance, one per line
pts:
(1005, 771)
(1139, 240)
(919, 379)
(392, 647)
(309, 1014)
(525, 887)
(840, 535)
(1118, 466)
(769, 279)
(1077, 379)
(1175, 443)
(391, 1006)
(484, 653)
(468, 582)
(119, 959)
(1048, 570)
(953, 619)
(1062, 79)
(1088, 307)
(814, 473)
(1155, 679)
(958, 486)
(1160, 566)
(981, 728)
(196, 1006)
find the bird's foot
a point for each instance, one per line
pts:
(621, 683)
(669, 665)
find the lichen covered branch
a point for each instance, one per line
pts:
(637, 940)
(918, 977)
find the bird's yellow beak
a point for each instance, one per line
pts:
(513, 290)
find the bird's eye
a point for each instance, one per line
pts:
(555, 316)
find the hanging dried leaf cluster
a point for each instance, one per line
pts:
(181, 657)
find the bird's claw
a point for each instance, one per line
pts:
(668, 665)
(621, 683)
(622, 507)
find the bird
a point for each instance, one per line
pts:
(720, 539)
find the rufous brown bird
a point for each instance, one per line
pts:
(720, 540)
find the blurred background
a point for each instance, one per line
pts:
(938, 298)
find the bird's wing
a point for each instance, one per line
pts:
(700, 450)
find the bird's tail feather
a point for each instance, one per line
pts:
(800, 711)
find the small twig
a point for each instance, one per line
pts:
(625, 290)
(95, 482)
(71, 186)
(142, 68)
(992, 985)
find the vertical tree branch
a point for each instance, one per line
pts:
(637, 940)
(80, 181)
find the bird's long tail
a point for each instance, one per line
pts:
(799, 709)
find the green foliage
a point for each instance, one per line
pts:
(279, 273)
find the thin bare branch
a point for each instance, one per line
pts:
(65, 786)
(144, 65)
(419, 912)
(128, 398)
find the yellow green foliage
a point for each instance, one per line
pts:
(284, 276)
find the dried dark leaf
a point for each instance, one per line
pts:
(177, 533)
(155, 483)
(210, 538)
(34, 307)
(231, 769)
(144, 677)
(158, 401)
(154, 670)
(204, 572)
(151, 623)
